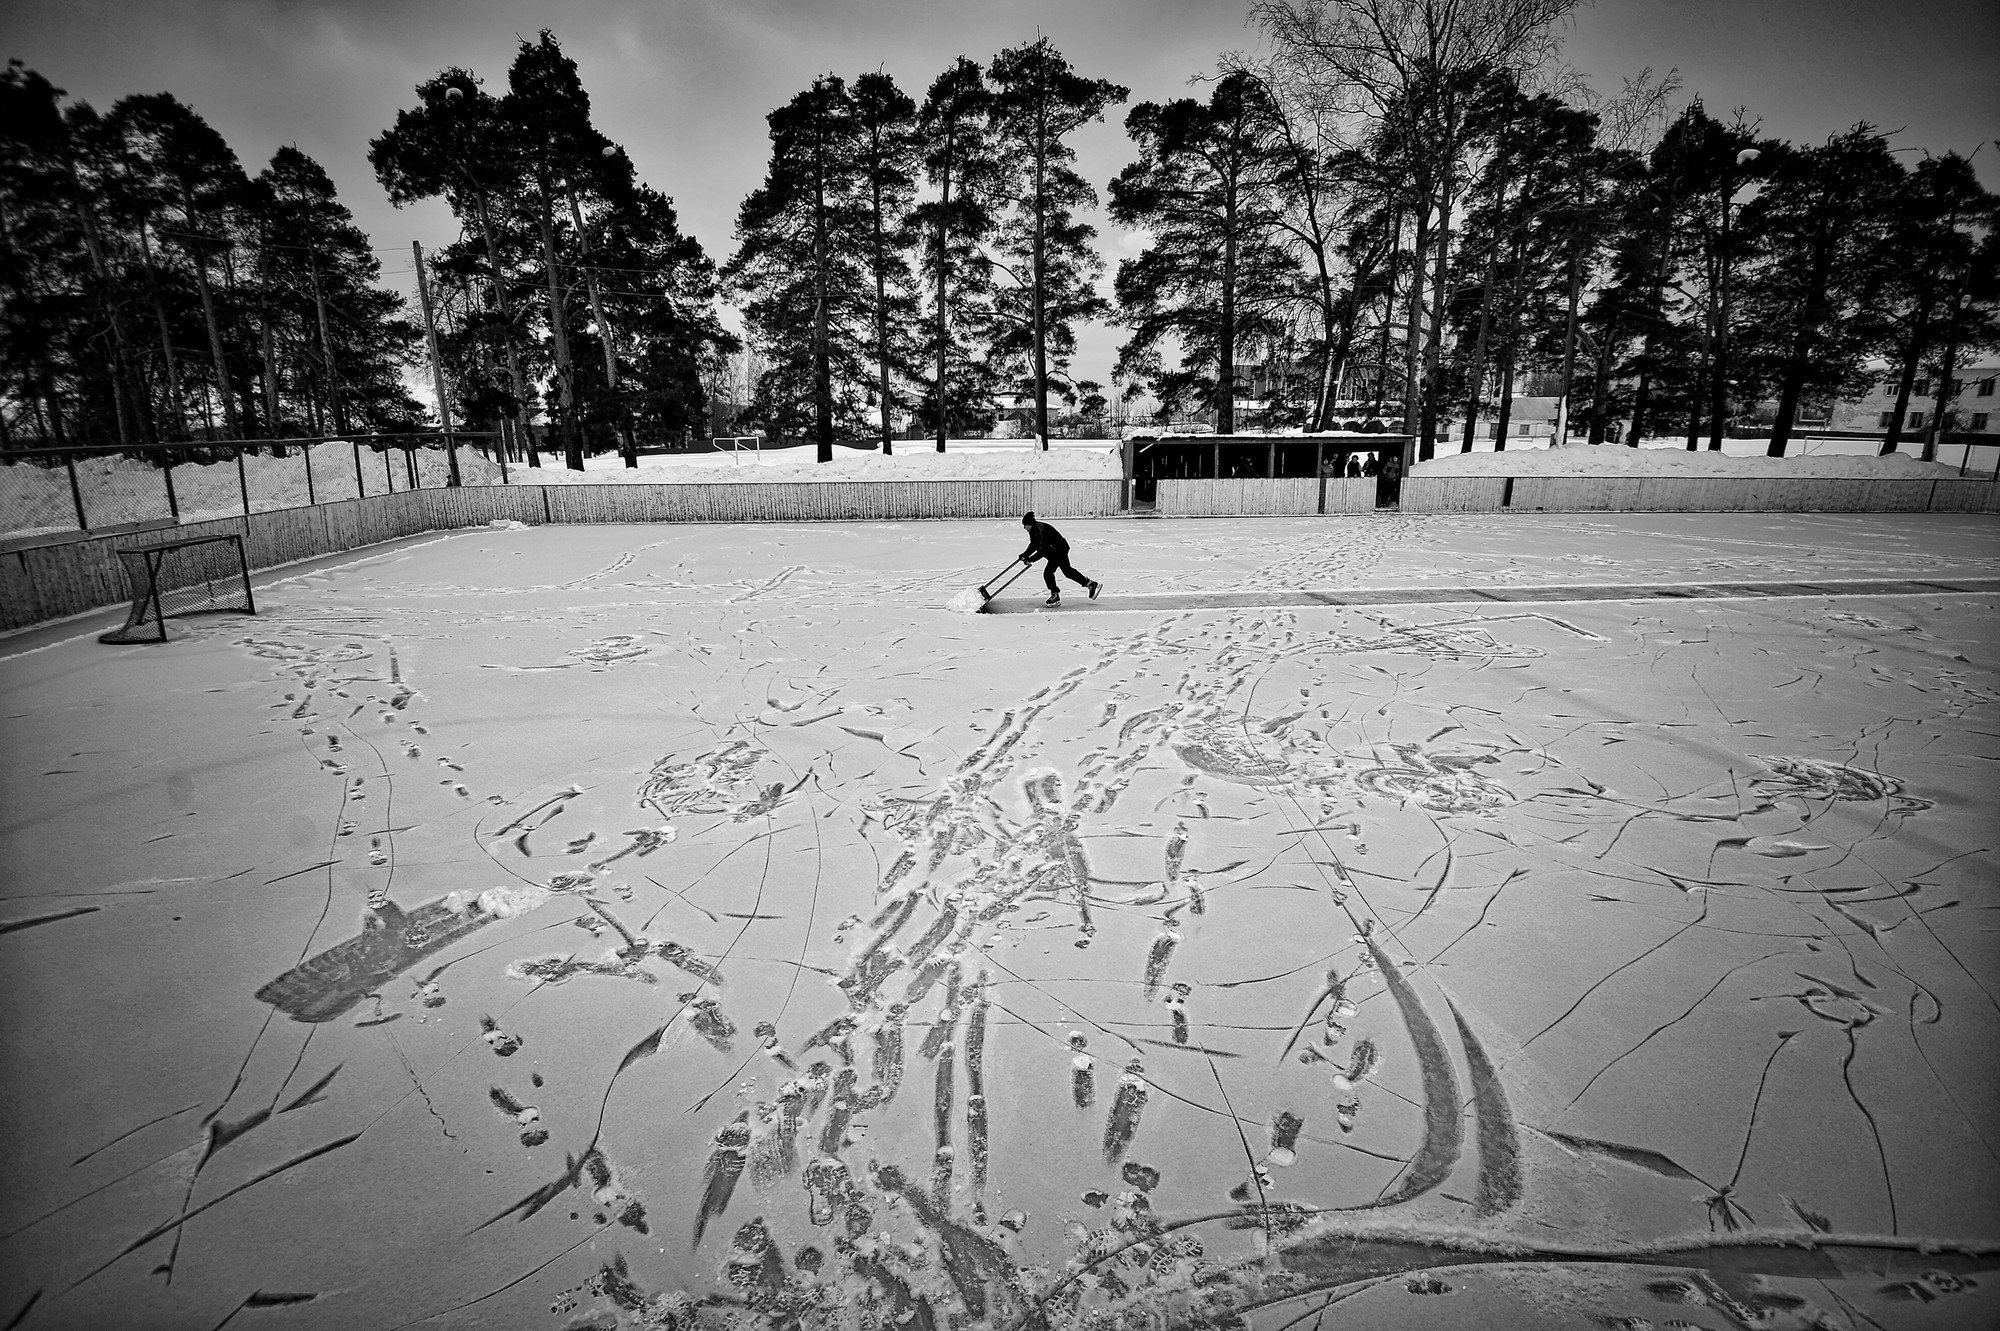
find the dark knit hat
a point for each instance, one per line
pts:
(1027, 519)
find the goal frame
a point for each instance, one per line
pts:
(142, 569)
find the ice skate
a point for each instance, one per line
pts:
(1055, 598)
(1095, 588)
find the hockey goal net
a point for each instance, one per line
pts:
(201, 576)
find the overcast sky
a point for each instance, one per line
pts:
(685, 84)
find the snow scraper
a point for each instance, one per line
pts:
(986, 595)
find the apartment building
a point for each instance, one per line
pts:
(1975, 396)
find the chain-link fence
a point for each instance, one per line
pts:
(52, 492)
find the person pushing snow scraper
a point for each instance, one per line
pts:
(1045, 542)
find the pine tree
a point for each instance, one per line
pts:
(952, 226)
(1813, 298)
(456, 145)
(1935, 220)
(801, 267)
(1042, 248)
(198, 173)
(547, 117)
(885, 121)
(1214, 278)
(320, 301)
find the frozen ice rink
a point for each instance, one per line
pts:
(702, 925)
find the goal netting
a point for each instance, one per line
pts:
(200, 576)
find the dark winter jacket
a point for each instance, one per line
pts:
(1045, 542)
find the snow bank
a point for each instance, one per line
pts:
(35, 499)
(1614, 460)
(1097, 461)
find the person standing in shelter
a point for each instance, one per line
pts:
(1389, 483)
(1045, 542)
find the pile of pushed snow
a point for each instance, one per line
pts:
(967, 602)
(1100, 461)
(1615, 460)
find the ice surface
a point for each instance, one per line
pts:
(701, 926)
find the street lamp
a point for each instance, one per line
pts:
(1718, 391)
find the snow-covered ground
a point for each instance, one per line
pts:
(1658, 458)
(914, 460)
(610, 925)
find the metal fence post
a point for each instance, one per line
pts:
(388, 473)
(75, 491)
(360, 490)
(501, 449)
(306, 452)
(243, 480)
(410, 465)
(167, 473)
(451, 460)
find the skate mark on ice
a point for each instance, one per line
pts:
(12, 925)
(130, 1132)
(1440, 1146)
(1499, 1147)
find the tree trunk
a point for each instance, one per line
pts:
(1639, 404)
(1600, 387)
(1225, 346)
(1477, 373)
(120, 380)
(943, 276)
(516, 383)
(174, 400)
(1038, 277)
(1905, 380)
(229, 420)
(881, 304)
(267, 341)
(1718, 369)
(1504, 418)
(1412, 326)
(629, 450)
(1947, 362)
(822, 355)
(1427, 420)
(572, 436)
(1569, 351)
(326, 349)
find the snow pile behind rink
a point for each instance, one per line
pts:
(1616, 460)
(1096, 460)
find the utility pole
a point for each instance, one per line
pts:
(326, 346)
(437, 368)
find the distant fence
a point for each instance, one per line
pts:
(60, 575)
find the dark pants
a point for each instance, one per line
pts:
(1051, 567)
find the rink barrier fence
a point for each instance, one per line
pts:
(55, 577)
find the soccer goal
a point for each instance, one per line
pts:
(201, 576)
